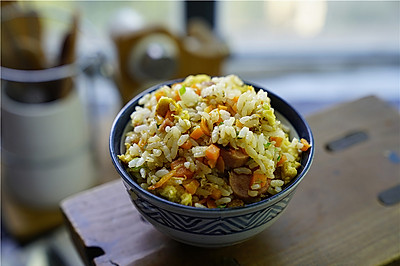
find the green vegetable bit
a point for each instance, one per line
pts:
(182, 90)
(266, 145)
(135, 169)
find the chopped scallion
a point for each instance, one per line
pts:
(266, 145)
(182, 90)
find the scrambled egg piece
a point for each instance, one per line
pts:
(186, 199)
(268, 113)
(126, 158)
(170, 192)
(176, 194)
(190, 80)
(163, 106)
(289, 170)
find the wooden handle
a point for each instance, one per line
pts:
(21, 39)
(67, 54)
(68, 48)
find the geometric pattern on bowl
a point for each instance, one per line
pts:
(211, 226)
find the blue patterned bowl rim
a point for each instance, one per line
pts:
(121, 122)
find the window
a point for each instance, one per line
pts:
(315, 53)
(279, 27)
(306, 51)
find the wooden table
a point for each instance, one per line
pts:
(335, 217)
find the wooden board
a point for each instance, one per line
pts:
(335, 216)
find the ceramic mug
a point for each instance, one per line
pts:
(46, 149)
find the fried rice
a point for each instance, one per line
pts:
(210, 142)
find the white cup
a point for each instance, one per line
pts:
(46, 153)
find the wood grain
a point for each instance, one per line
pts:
(335, 216)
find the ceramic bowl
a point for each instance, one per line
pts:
(210, 227)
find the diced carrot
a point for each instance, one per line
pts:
(177, 97)
(230, 110)
(163, 180)
(278, 140)
(180, 169)
(196, 89)
(211, 163)
(204, 127)
(212, 152)
(220, 164)
(222, 107)
(159, 94)
(235, 99)
(234, 107)
(197, 133)
(191, 185)
(258, 178)
(306, 145)
(282, 160)
(211, 203)
(187, 145)
(216, 194)
(177, 163)
(184, 172)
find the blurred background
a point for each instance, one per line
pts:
(67, 67)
